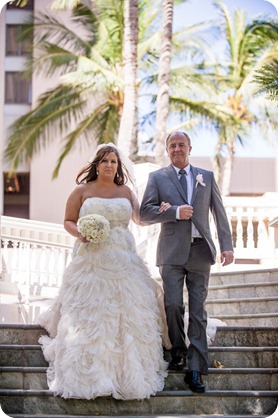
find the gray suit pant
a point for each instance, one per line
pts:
(195, 273)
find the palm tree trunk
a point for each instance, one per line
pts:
(227, 170)
(127, 137)
(223, 164)
(164, 80)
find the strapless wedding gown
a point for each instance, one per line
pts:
(105, 326)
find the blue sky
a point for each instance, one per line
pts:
(198, 10)
(193, 11)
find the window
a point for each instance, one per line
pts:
(16, 195)
(18, 89)
(13, 46)
(28, 6)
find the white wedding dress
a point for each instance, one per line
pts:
(105, 326)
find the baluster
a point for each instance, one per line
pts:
(262, 236)
(34, 274)
(5, 269)
(21, 262)
(42, 266)
(52, 266)
(61, 263)
(26, 247)
(15, 262)
(250, 229)
(239, 229)
(19, 309)
(264, 242)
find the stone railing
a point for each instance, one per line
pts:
(252, 223)
(35, 254)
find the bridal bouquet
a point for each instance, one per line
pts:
(95, 228)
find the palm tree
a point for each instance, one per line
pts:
(127, 139)
(93, 87)
(164, 80)
(226, 100)
(91, 63)
(246, 48)
(87, 104)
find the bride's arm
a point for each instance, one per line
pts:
(72, 213)
(136, 210)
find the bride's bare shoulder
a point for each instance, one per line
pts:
(80, 191)
(125, 191)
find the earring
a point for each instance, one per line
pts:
(117, 175)
(97, 172)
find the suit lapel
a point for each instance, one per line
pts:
(170, 171)
(195, 189)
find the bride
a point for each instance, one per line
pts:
(105, 326)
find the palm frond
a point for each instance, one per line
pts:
(55, 112)
(50, 29)
(214, 112)
(267, 79)
(98, 124)
(52, 60)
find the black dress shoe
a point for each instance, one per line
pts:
(177, 363)
(194, 380)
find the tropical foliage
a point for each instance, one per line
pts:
(88, 61)
(221, 93)
(267, 79)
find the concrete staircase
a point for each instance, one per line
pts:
(247, 385)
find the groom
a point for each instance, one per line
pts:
(180, 197)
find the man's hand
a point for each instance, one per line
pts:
(186, 212)
(227, 257)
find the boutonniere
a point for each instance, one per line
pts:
(200, 180)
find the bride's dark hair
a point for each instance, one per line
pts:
(89, 172)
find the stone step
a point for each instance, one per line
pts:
(249, 357)
(141, 416)
(238, 336)
(215, 402)
(34, 378)
(21, 355)
(248, 276)
(245, 305)
(31, 356)
(249, 320)
(20, 333)
(227, 378)
(241, 290)
(242, 336)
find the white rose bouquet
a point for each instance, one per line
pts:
(95, 228)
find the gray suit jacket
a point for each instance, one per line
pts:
(175, 235)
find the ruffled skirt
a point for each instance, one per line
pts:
(105, 327)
